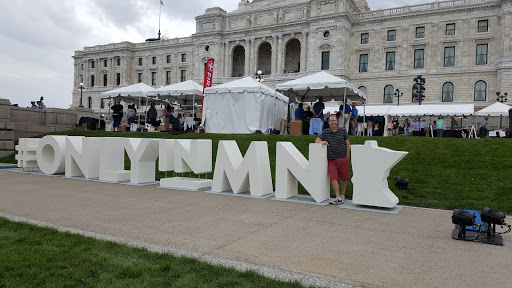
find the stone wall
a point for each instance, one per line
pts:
(18, 122)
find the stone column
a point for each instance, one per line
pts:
(247, 57)
(274, 55)
(280, 54)
(227, 58)
(303, 52)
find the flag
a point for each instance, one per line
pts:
(162, 2)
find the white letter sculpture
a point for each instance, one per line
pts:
(371, 165)
(51, 154)
(142, 153)
(112, 161)
(188, 156)
(292, 166)
(27, 149)
(83, 156)
(239, 174)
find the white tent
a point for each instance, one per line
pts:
(496, 109)
(374, 110)
(309, 88)
(242, 106)
(432, 110)
(128, 93)
(184, 93)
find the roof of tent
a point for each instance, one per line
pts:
(135, 90)
(247, 84)
(184, 92)
(375, 110)
(309, 88)
(432, 109)
(496, 109)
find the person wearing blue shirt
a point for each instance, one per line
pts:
(299, 112)
(353, 119)
(347, 113)
(318, 108)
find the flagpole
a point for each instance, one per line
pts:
(159, 14)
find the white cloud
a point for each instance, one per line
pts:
(39, 37)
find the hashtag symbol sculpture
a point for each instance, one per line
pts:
(26, 156)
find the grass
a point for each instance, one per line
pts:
(444, 173)
(32, 256)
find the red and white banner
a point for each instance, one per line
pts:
(208, 73)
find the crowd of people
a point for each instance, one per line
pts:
(355, 125)
(39, 105)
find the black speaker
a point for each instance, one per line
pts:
(510, 123)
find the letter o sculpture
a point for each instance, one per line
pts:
(51, 153)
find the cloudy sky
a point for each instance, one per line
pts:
(39, 37)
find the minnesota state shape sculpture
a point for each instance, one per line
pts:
(371, 165)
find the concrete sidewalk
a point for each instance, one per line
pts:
(411, 249)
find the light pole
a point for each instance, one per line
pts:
(420, 84)
(81, 88)
(258, 77)
(501, 97)
(398, 95)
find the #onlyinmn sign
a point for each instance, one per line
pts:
(103, 159)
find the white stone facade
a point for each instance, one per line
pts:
(286, 40)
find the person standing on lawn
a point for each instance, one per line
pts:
(338, 155)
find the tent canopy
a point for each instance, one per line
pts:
(132, 91)
(496, 109)
(242, 106)
(309, 88)
(375, 110)
(183, 93)
(432, 110)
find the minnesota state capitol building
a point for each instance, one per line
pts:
(463, 48)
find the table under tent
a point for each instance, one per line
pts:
(242, 106)
(496, 110)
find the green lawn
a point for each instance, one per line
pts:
(444, 173)
(32, 256)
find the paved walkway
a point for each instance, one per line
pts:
(411, 249)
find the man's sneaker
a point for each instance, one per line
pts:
(338, 200)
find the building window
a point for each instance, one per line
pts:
(327, 34)
(82, 67)
(325, 60)
(449, 56)
(118, 61)
(92, 80)
(390, 61)
(450, 29)
(420, 32)
(104, 63)
(448, 92)
(419, 58)
(363, 89)
(481, 54)
(480, 91)
(483, 25)
(363, 63)
(153, 78)
(154, 60)
(168, 59)
(167, 77)
(102, 103)
(118, 79)
(388, 94)
(89, 102)
(93, 64)
(365, 37)
(183, 75)
(140, 61)
(183, 58)
(391, 35)
(105, 80)
(139, 78)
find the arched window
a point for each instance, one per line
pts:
(264, 58)
(415, 89)
(388, 94)
(448, 92)
(480, 91)
(238, 61)
(362, 88)
(292, 60)
(89, 102)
